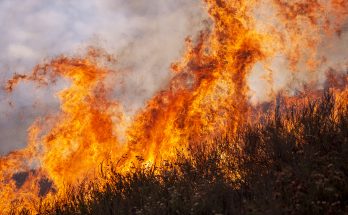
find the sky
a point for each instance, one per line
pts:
(146, 36)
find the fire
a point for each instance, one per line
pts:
(82, 136)
(208, 97)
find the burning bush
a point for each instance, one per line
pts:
(200, 145)
(292, 162)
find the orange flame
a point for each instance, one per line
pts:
(207, 97)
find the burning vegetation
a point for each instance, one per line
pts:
(199, 146)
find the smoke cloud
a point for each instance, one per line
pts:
(145, 36)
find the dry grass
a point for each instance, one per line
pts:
(294, 162)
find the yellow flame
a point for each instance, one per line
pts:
(207, 98)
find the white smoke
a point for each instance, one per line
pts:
(274, 75)
(146, 36)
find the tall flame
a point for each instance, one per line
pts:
(207, 97)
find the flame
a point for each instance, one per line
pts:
(82, 136)
(207, 97)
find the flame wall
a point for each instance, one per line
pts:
(208, 95)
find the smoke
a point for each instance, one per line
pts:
(311, 39)
(145, 36)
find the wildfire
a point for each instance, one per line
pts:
(208, 97)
